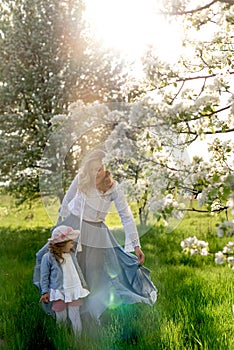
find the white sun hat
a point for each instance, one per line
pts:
(63, 233)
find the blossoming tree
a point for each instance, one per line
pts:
(147, 137)
(172, 107)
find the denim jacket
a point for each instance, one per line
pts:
(51, 274)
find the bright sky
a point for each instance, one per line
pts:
(130, 25)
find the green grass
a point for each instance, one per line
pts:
(193, 310)
(26, 215)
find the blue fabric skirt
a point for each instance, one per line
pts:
(113, 276)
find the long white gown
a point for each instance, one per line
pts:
(112, 273)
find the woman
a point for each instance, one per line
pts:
(114, 276)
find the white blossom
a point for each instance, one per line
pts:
(195, 246)
(225, 227)
(202, 197)
(216, 206)
(220, 232)
(219, 258)
(230, 261)
(230, 204)
(229, 248)
(204, 252)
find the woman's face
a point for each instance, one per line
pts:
(97, 171)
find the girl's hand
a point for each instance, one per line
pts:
(140, 255)
(45, 298)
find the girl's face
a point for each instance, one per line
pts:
(97, 171)
(68, 247)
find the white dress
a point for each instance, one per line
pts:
(112, 273)
(72, 288)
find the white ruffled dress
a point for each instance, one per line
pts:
(72, 287)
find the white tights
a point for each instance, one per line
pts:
(73, 314)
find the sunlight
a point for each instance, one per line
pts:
(131, 26)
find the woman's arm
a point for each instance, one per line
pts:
(132, 242)
(140, 255)
(70, 194)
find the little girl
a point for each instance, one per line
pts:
(61, 279)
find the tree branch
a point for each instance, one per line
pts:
(219, 132)
(179, 80)
(163, 165)
(205, 211)
(178, 92)
(200, 116)
(215, 112)
(208, 132)
(200, 77)
(202, 88)
(198, 9)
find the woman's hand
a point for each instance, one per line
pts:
(140, 255)
(45, 298)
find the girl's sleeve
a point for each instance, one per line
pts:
(125, 213)
(45, 274)
(70, 194)
(37, 267)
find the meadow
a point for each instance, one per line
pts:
(195, 296)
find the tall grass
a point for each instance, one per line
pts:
(193, 310)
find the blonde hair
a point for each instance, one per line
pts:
(84, 178)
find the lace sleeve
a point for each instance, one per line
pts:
(130, 229)
(70, 194)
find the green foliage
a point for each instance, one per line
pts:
(45, 64)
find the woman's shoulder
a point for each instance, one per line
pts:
(117, 186)
(115, 190)
(114, 186)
